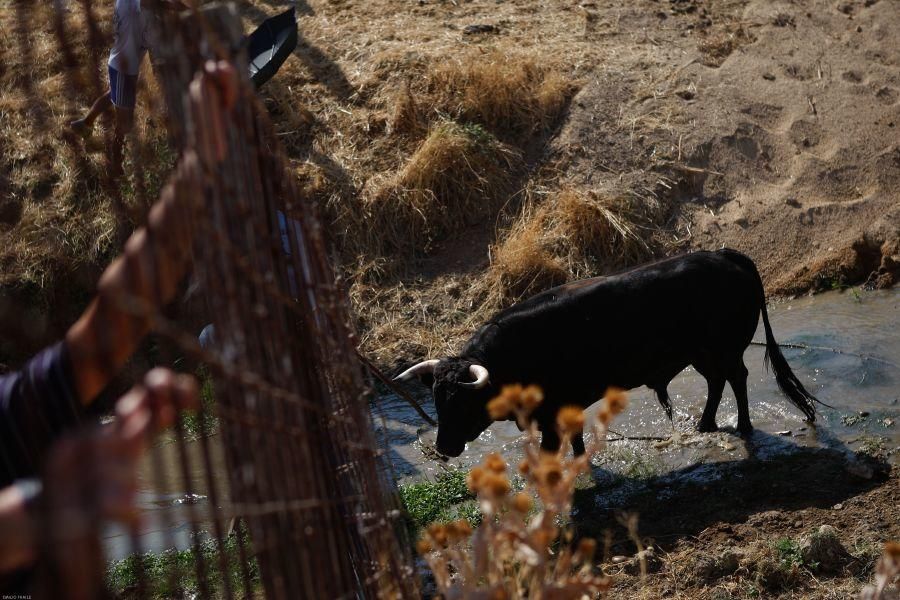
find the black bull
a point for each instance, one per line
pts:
(641, 327)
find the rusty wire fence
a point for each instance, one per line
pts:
(278, 487)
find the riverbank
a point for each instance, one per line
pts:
(729, 517)
(467, 155)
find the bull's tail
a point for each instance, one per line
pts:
(787, 381)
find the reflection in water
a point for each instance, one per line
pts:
(863, 379)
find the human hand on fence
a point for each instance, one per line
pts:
(212, 94)
(100, 466)
(92, 478)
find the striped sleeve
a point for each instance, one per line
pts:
(37, 405)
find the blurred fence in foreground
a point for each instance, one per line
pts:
(280, 491)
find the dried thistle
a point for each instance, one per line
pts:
(509, 555)
(570, 419)
(887, 576)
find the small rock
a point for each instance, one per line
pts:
(708, 569)
(729, 561)
(838, 506)
(769, 76)
(783, 20)
(824, 549)
(785, 432)
(705, 569)
(616, 560)
(798, 523)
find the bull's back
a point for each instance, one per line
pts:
(667, 312)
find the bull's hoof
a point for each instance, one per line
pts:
(745, 430)
(707, 427)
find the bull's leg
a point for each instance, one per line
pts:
(578, 443)
(738, 381)
(715, 385)
(662, 394)
(549, 439)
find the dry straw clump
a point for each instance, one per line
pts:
(458, 176)
(514, 97)
(570, 236)
(465, 123)
(511, 554)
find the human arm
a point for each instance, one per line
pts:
(142, 279)
(91, 475)
(156, 257)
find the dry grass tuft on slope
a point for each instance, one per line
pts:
(513, 97)
(570, 236)
(459, 175)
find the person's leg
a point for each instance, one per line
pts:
(123, 94)
(84, 125)
(124, 125)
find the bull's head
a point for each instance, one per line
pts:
(461, 390)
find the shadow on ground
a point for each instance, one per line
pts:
(683, 503)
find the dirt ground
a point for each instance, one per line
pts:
(774, 123)
(752, 532)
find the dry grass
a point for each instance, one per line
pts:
(406, 134)
(58, 222)
(443, 155)
(458, 177)
(570, 236)
(514, 97)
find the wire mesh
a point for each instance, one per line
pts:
(277, 488)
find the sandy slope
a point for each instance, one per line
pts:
(777, 133)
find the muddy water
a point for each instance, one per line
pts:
(164, 502)
(861, 380)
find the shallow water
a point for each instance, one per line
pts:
(864, 378)
(164, 502)
(861, 376)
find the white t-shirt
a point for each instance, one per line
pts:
(130, 37)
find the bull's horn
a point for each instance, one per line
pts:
(426, 366)
(481, 377)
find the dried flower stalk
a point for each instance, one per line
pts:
(514, 553)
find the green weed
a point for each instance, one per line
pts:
(429, 501)
(789, 555)
(203, 423)
(172, 574)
